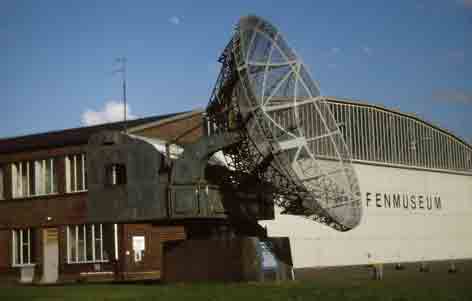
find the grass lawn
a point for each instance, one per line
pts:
(338, 284)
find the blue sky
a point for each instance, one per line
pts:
(57, 57)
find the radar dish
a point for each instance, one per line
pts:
(289, 136)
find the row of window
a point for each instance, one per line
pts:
(30, 178)
(85, 244)
(373, 134)
(39, 177)
(378, 135)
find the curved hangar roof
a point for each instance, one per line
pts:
(379, 135)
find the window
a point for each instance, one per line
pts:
(44, 177)
(393, 137)
(355, 134)
(20, 179)
(139, 246)
(462, 154)
(31, 178)
(348, 127)
(85, 244)
(437, 150)
(115, 174)
(22, 247)
(76, 173)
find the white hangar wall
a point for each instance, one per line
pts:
(432, 222)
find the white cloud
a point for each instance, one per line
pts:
(174, 20)
(367, 50)
(453, 96)
(112, 112)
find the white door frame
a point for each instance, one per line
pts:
(50, 237)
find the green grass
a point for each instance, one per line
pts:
(323, 285)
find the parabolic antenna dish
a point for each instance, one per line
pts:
(289, 135)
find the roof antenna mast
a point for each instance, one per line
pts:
(122, 70)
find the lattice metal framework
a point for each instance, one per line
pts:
(265, 93)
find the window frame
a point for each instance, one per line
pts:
(83, 249)
(41, 166)
(116, 175)
(71, 167)
(17, 257)
(134, 241)
(34, 172)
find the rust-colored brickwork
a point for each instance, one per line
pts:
(34, 212)
(7, 189)
(155, 236)
(5, 250)
(37, 252)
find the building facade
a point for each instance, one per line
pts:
(416, 190)
(43, 208)
(415, 180)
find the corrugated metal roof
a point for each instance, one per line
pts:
(397, 112)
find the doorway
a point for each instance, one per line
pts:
(50, 255)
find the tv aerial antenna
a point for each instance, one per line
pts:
(122, 69)
(286, 134)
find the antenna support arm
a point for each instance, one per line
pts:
(190, 167)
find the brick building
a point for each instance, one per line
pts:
(44, 233)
